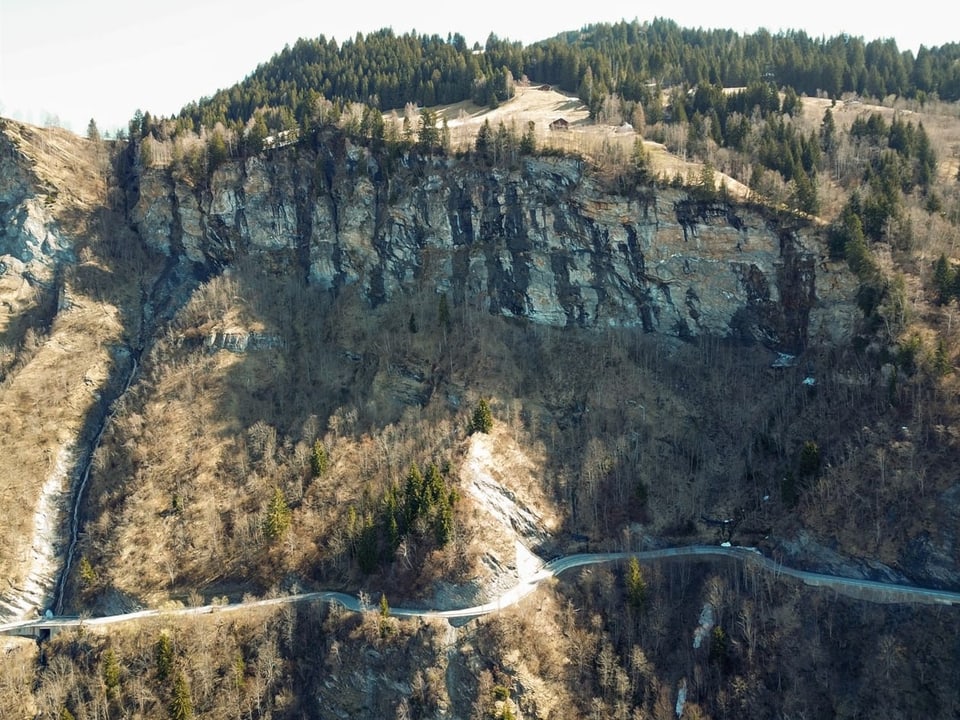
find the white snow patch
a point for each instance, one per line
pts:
(36, 591)
(706, 625)
(784, 360)
(681, 697)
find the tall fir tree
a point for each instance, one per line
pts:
(482, 419)
(164, 656)
(277, 521)
(181, 703)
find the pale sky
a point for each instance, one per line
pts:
(104, 59)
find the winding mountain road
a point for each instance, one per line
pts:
(867, 590)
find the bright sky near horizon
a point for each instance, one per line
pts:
(72, 61)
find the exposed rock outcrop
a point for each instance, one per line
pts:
(545, 241)
(29, 240)
(31, 247)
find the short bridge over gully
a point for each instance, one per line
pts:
(42, 628)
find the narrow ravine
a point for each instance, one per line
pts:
(169, 291)
(83, 477)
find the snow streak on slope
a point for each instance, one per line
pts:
(35, 593)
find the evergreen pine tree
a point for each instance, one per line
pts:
(429, 135)
(484, 142)
(367, 553)
(256, 135)
(926, 159)
(386, 627)
(277, 521)
(319, 460)
(805, 193)
(217, 152)
(636, 585)
(528, 143)
(164, 656)
(707, 185)
(181, 704)
(719, 645)
(809, 463)
(943, 279)
(111, 673)
(88, 576)
(443, 311)
(239, 670)
(413, 498)
(433, 488)
(393, 531)
(941, 358)
(641, 161)
(443, 523)
(856, 250)
(482, 420)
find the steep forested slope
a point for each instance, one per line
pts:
(359, 358)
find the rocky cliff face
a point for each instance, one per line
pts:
(544, 241)
(29, 240)
(31, 243)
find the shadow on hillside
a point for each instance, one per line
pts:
(635, 431)
(638, 437)
(114, 278)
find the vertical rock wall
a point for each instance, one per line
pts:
(544, 241)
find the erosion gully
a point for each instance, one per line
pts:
(54, 547)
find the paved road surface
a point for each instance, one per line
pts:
(868, 590)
